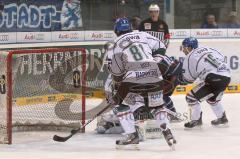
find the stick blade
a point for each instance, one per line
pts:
(60, 139)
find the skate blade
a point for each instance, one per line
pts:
(172, 144)
(194, 128)
(128, 147)
(221, 126)
(176, 121)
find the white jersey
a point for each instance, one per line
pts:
(132, 58)
(203, 61)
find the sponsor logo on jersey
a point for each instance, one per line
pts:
(223, 68)
(156, 95)
(144, 74)
(2, 84)
(147, 26)
(145, 65)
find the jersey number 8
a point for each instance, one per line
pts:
(136, 52)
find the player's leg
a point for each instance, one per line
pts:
(169, 105)
(193, 98)
(217, 108)
(218, 84)
(156, 104)
(125, 116)
(126, 119)
(160, 115)
(170, 84)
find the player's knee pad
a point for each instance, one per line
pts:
(215, 99)
(212, 102)
(159, 113)
(161, 117)
(122, 110)
(191, 99)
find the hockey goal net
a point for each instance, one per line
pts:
(42, 89)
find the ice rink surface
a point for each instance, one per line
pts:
(206, 143)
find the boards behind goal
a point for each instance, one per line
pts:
(42, 89)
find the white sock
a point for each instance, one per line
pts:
(195, 111)
(217, 109)
(161, 117)
(127, 122)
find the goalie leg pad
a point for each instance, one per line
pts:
(126, 118)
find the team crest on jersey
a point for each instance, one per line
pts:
(161, 26)
(147, 25)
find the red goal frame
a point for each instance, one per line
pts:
(42, 51)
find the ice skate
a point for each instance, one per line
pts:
(171, 141)
(220, 122)
(174, 119)
(194, 123)
(131, 141)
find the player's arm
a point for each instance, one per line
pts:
(115, 66)
(166, 34)
(157, 46)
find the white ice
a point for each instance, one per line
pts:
(209, 142)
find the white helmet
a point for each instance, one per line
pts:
(153, 7)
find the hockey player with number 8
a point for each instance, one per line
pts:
(209, 66)
(133, 68)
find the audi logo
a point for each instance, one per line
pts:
(181, 33)
(216, 33)
(108, 35)
(4, 37)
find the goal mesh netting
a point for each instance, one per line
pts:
(41, 90)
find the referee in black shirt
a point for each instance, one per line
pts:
(155, 26)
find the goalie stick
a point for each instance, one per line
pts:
(75, 131)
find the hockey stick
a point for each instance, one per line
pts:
(75, 131)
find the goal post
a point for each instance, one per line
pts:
(42, 89)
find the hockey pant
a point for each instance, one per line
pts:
(210, 90)
(153, 99)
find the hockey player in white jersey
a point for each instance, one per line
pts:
(170, 69)
(209, 66)
(133, 69)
